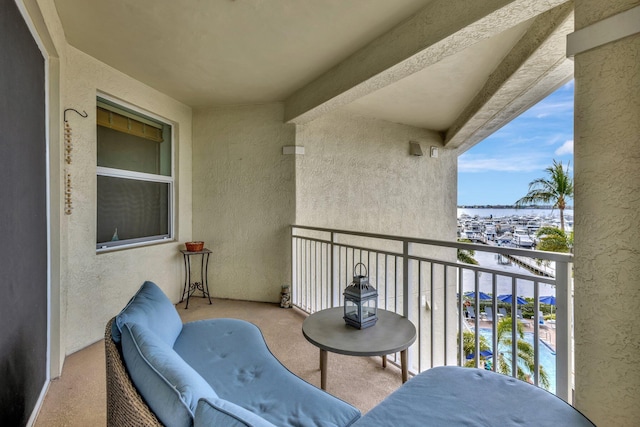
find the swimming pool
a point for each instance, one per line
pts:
(547, 357)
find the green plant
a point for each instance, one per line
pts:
(527, 310)
(525, 365)
(467, 255)
(553, 239)
(469, 347)
(558, 188)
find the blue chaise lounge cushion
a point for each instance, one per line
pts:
(454, 396)
(213, 412)
(150, 308)
(169, 385)
(234, 359)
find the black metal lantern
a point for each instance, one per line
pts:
(360, 301)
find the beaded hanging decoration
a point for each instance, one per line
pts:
(68, 147)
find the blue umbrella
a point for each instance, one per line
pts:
(551, 300)
(482, 295)
(483, 353)
(509, 299)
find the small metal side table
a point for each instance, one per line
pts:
(203, 285)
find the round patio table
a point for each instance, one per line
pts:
(328, 331)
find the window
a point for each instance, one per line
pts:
(135, 177)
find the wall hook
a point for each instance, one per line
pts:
(83, 114)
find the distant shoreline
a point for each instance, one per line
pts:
(509, 207)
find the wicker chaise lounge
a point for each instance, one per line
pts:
(213, 372)
(125, 406)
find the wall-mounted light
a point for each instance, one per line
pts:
(434, 152)
(414, 149)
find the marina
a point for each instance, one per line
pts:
(515, 228)
(509, 227)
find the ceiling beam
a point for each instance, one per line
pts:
(535, 67)
(441, 29)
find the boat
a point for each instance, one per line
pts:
(533, 226)
(521, 239)
(490, 233)
(473, 236)
(505, 239)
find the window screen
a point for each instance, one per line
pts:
(135, 181)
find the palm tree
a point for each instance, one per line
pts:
(467, 256)
(525, 356)
(558, 188)
(469, 347)
(553, 239)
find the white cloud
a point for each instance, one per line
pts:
(566, 148)
(548, 108)
(508, 163)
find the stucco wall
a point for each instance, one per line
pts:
(243, 200)
(607, 236)
(96, 286)
(86, 288)
(357, 174)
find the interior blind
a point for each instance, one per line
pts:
(128, 125)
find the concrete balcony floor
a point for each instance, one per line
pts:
(78, 397)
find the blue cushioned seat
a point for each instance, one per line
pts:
(170, 386)
(232, 356)
(213, 412)
(150, 308)
(455, 396)
(214, 372)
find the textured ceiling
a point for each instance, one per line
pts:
(417, 62)
(216, 52)
(434, 97)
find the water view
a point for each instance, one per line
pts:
(512, 228)
(545, 353)
(509, 212)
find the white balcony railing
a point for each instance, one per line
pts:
(422, 280)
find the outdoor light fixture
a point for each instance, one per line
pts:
(360, 301)
(415, 149)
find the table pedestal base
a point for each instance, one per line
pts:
(323, 367)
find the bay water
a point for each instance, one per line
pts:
(503, 212)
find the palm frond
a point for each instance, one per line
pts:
(557, 188)
(525, 357)
(466, 257)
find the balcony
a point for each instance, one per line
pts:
(422, 280)
(418, 278)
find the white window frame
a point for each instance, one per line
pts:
(140, 176)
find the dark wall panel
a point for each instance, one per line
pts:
(23, 227)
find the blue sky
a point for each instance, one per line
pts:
(498, 170)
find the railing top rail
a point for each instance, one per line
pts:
(551, 256)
